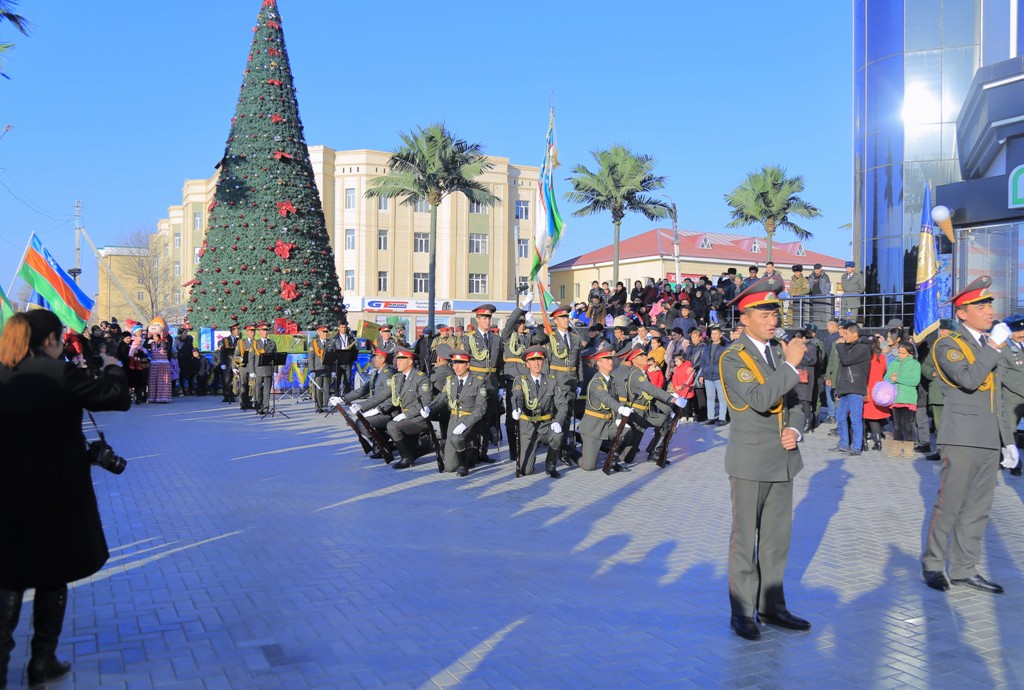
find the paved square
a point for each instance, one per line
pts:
(274, 554)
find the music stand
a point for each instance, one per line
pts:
(277, 359)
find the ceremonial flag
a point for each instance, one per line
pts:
(36, 301)
(6, 310)
(549, 224)
(42, 272)
(926, 301)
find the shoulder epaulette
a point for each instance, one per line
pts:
(953, 334)
(479, 377)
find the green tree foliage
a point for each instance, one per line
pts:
(8, 15)
(429, 165)
(266, 254)
(768, 198)
(622, 184)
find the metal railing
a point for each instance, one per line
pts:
(873, 310)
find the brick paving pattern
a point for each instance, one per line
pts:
(275, 554)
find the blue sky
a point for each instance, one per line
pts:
(118, 103)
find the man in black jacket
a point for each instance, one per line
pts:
(851, 385)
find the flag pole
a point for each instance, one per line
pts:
(21, 263)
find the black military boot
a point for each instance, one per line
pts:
(48, 621)
(10, 611)
(551, 463)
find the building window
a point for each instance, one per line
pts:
(167, 250)
(705, 243)
(196, 255)
(140, 296)
(477, 207)
(477, 243)
(524, 283)
(561, 291)
(421, 206)
(177, 240)
(350, 238)
(382, 203)
(141, 280)
(350, 197)
(421, 242)
(382, 281)
(197, 221)
(420, 282)
(382, 240)
(477, 283)
(350, 281)
(523, 249)
(177, 269)
(177, 296)
(522, 210)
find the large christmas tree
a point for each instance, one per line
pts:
(266, 254)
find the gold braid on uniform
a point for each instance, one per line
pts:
(396, 396)
(317, 349)
(453, 402)
(555, 344)
(478, 354)
(750, 364)
(987, 387)
(531, 405)
(514, 346)
(256, 348)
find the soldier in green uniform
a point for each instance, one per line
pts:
(484, 348)
(319, 346)
(634, 389)
(602, 407)
(445, 338)
(759, 378)
(929, 372)
(246, 359)
(853, 284)
(375, 390)
(438, 376)
(514, 339)
(564, 361)
(466, 395)
(972, 437)
(411, 394)
(799, 287)
(541, 408)
(264, 348)
(1012, 376)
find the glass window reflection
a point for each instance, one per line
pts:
(922, 98)
(922, 142)
(923, 24)
(884, 94)
(958, 21)
(957, 73)
(885, 28)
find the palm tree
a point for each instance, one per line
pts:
(622, 183)
(429, 165)
(768, 198)
(7, 14)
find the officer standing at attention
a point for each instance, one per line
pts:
(1012, 376)
(247, 366)
(264, 348)
(759, 379)
(319, 346)
(541, 408)
(853, 284)
(971, 438)
(227, 361)
(484, 349)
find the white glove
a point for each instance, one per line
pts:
(680, 401)
(335, 401)
(223, 366)
(526, 300)
(516, 414)
(1011, 456)
(556, 427)
(400, 417)
(355, 408)
(999, 333)
(371, 412)
(459, 430)
(625, 411)
(424, 412)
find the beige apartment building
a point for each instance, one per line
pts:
(381, 246)
(122, 293)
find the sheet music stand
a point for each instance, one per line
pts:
(277, 359)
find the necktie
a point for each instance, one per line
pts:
(568, 345)
(768, 356)
(536, 388)
(982, 340)
(458, 392)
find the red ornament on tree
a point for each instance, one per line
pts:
(285, 207)
(288, 291)
(283, 249)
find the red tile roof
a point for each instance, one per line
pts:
(706, 246)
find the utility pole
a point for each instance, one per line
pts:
(77, 269)
(675, 235)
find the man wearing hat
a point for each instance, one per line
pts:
(409, 406)
(515, 339)
(445, 337)
(750, 279)
(484, 348)
(563, 360)
(541, 407)
(1012, 376)
(385, 341)
(973, 438)
(376, 390)
(759, 376)
(853, 284)
(226, 355)
(465, 395)
(264, 348)
(246, 359)
(601, 410)
(634, 390)
(821, 287)
(345, 344)
(320, 374)
(799, 287)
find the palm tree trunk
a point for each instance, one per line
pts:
(769, 229)
(615, 259)
(432, 269)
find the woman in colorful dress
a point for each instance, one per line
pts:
(160, 349)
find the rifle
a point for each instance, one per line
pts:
(673, 423)
(367, 446)
(609, 462)
(437, 446)
(377, 439)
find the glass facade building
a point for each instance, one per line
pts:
(913, 62)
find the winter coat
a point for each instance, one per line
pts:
(710, 359)
(876, 373)
(908, 374)
(51, 532)
(854, 364)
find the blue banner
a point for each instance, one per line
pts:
(926, 300)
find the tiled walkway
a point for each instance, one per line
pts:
(274, 554)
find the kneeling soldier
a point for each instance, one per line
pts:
(597, 424)
(465, 395)
(372, 393)
(636, 390)
(410, 395)
(542, 407)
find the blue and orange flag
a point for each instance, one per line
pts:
(44, 275)
(926, 299)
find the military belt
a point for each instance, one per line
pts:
(483, 370)
(513, 359)
(599, 415)
(461, 413)
(558, 367)
(538, 418)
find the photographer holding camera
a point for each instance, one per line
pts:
(51, 532)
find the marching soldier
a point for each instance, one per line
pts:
(466, 395)
(227, 361)
(634, 389)
(541, 407)
(348, 349)
(484, 349)
(759, 378)
(597, 424)
(564, 361)
(1013, 376)
(515, 339)
(971, 439)
(264, 348)
(318, 370)
(246, 359)
(376, 389)
(411, 394)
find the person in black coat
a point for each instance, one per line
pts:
(51, 533)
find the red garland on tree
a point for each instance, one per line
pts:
(288, 291)
(281, 154)
(283, 249)
(276, 119)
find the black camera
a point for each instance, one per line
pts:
(101, 453)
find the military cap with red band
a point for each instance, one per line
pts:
(377, 352)
(603, 352)
(485, 310)
(460, 356)
(562, 310)
(385, 329)
(764, 294)
(535, 352)
(403, 353)
(976, 292)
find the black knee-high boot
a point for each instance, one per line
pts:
(48, 621)
(10, 611)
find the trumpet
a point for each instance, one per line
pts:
(236, 384)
